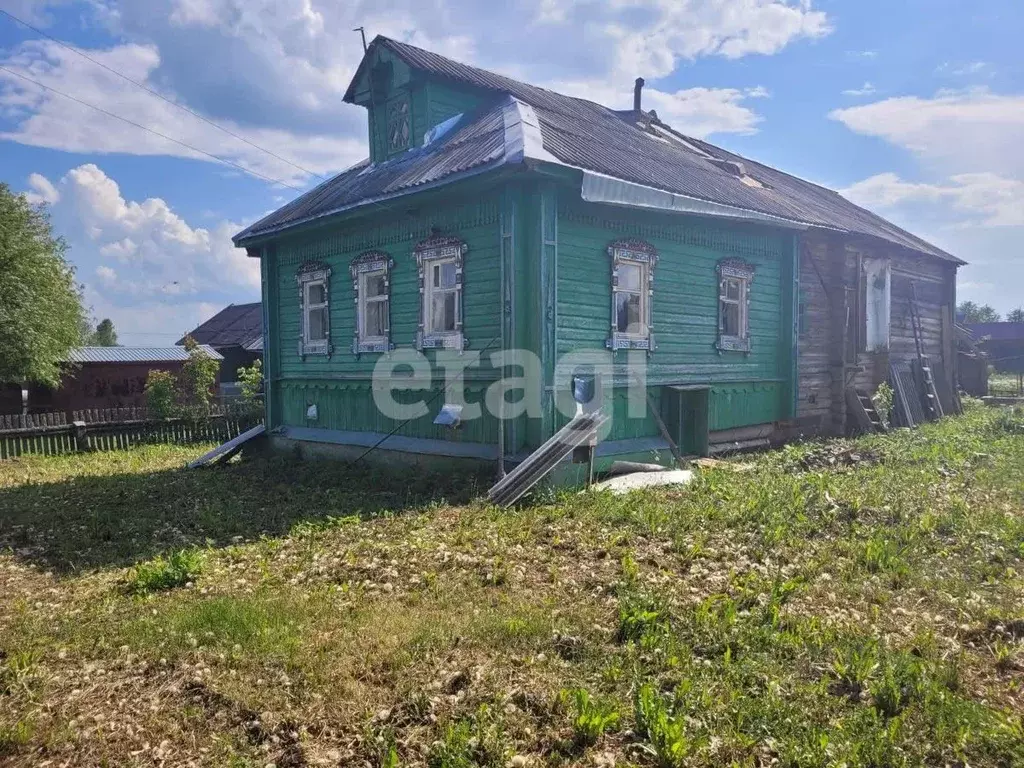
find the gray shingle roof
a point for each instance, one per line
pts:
(584, 135)
(236, 325)
(135, 354)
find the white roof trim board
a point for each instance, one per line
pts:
(523, 139)
(598, 188)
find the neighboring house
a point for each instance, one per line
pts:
(236, 332)
(108, 377)
(1002, 343)
(496, 215)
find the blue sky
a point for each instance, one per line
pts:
(914, 109)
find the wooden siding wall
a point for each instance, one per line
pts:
(747, 388)
(340, 384)
(827, 362)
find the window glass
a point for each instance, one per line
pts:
(317, 330)
(629, 277)
(730, 319)
(627, 313)
(315, 293)
(376, 315)
(442, 317)
(375, 285)
(732, 289)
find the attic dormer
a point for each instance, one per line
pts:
(403, 102)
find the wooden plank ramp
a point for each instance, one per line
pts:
(222, 453)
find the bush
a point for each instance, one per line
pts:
(197, 378)
(162, 573)
(251, 379)
(160, 387)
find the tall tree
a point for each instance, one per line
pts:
(1016, 315)
(104, 335)
(974, 314)
(41, 314)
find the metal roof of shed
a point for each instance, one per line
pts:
(135, 354)
(583, 135)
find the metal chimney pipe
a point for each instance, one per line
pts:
(638, 88)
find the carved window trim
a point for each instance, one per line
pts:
(644, 255)
(365, 265)
(438, 249)
(739, 273)
(309, 274)
(398, 111)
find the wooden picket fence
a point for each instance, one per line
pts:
(112, 429)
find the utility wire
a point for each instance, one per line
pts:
(158, 94)
(150, 130)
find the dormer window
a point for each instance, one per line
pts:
(399, 128)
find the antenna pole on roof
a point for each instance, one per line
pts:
(362, 34)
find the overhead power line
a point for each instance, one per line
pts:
(154, 132)
(158, 94)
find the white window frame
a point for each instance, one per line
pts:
(741, 274)
(641, 254)
(314, 274)
(366, 265)
(435, 251)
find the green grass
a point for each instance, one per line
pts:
(807, 612)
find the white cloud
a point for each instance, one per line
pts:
(965, 69)
(969, 198)
(41, 190)
(984, 199)
(46, 119)
(697, 112)
(956, 131)
(134, 254)
(275, 71)
(865, 90)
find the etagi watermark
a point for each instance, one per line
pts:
(405, 383)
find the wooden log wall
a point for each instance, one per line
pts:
(829, 358)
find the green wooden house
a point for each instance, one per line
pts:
(726, 299)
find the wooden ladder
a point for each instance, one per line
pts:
(932, 404)
(863, 409)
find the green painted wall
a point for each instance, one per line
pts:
(340, 383)
(750, 387)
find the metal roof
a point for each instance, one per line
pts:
(135, 354)
(238, 325)
(580, 134)
(1005, 331)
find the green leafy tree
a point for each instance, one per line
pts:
(160, 394)
(197, 377)
(104, 335)
(1016, 315)
(41, 314)
(251, 379)
(978, 314)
